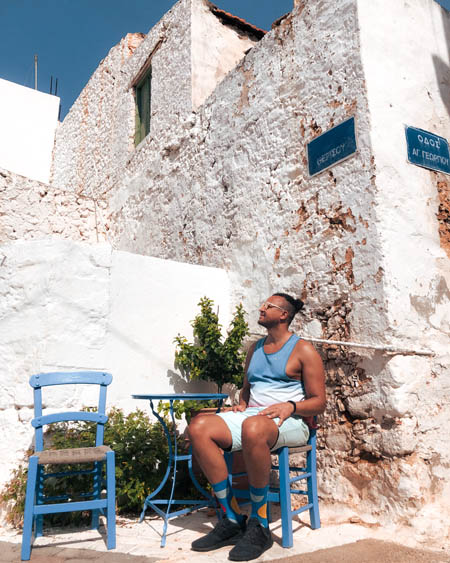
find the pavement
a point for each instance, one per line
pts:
(140, 543)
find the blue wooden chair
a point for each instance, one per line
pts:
(36, 504)
(282, 494)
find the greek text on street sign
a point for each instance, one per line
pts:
(427, 149)
(333, 146)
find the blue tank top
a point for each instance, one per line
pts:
(266, 374)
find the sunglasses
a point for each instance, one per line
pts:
(266, 305)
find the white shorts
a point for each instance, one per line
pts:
(293, 432)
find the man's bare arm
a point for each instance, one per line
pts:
(244, 395)
(313, 376)
(313, 380)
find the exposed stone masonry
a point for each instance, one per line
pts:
(443, 215)
(31, 210)
(224, 182)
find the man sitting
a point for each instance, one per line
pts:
(284, 381)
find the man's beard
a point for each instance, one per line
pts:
(265, 323)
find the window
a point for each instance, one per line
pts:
(143, 95)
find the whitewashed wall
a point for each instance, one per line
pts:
(95, 143)
(227, 186)
(216, 48)
(30, 209)
(28, 119)
(68, 306)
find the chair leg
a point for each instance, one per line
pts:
(29, 508)
(313, 498)
(111, 500)
(39, 519)
(285, 498)
(97, 488)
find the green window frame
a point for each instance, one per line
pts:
(143, 97)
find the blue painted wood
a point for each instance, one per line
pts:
(171, 471)
(313, 497)
(111, 500)
(74, 377)
(332, 147)
(427, 150)
(181, 396)
(39, 520)
(36, 504)
(95, 517)
(69, 506)
(28, 518)
(69, 416)
(282, 494)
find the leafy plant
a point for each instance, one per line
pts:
(186, 408)
(211, 357)
(141, 461)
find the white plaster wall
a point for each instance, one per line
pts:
(29, 119)
(67, 305)
(96, 140)
(407, 199)
(412, 57)
(228, 187)
(93, 137)
(95, 143)
(232, 191)
(216, 49)
(33, 210)
(152, 301)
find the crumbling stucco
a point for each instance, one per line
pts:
(227, 186)
(443, 214)
(31, 210)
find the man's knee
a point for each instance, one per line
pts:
(210, 427)
(257, 428)
(197, 427)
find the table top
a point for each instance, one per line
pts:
(181, 396)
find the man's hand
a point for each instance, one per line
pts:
(280, 410)
(239, 408)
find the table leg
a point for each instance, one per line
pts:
(151, 502)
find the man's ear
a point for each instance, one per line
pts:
(285, 316)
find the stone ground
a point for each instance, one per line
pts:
(140, 543)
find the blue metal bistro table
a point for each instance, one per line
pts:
(174, 457)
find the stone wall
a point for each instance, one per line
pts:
(95, 143)
(33, 210)
(232, 190)
(227, 186)
(91, 137)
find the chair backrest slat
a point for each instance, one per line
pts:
(69, 416)
(37, 381)
(74, 377)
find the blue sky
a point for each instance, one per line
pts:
(71, 37)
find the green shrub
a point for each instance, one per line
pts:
(210, 357)
(141, 460)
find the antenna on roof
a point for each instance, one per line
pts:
(35, 71)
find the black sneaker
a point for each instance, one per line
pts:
(255, 541)
(225, 532)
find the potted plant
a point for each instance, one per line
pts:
(211, 356)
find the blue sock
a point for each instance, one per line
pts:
(259, 504)
(227, 500)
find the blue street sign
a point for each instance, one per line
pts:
(331, 147)
(427, 149)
